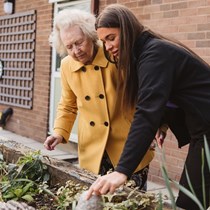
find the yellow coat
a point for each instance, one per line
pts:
(91, 90)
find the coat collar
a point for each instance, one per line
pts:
(99, 60)
(142, 39)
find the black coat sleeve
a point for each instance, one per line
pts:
(156, 74)
(175, 119)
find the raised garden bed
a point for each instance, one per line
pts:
(67, 181)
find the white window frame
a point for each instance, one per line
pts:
(55, 1)
(55, 72)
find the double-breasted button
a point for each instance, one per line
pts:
(96, 68)
(101, 96)
(83, 69)
(87, 98)
(106, 123)
(92, 123)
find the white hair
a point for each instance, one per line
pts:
(72, 17)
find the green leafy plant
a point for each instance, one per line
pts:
(24, 179)
(134, 200)
(67, 195)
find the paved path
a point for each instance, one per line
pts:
(62, 151)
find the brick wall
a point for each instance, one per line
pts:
(185, 20)
(189, 22)
(34, 123)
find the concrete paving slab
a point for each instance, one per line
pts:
(66, 157)
(57, 153)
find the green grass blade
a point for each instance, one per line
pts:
(165, 176)
(160, 201)
(207, 151)
(203, 178)
(189, 182)
(189, 194)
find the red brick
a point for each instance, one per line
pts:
(204, 10)
(157, 1)
(168, 30)
(208, 18)
(144, 2)
(165, 7)
(151, 9)
(187, 28)
(197, 3)
(111, 1)
(131, 4)
(202, 52)
(196, 36)
(199, 19)
(204, 27)
(208, 35)
(207, 59)
(157, 15)
(189, 43)
(144, 17)
(170, 14)
(188, 12)
(180, 5)
(208, 52)
(169, 1)
(203, 44)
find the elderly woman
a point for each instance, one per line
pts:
(89, 87)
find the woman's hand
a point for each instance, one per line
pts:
(160, 135)
(106, 184)
(52, 141)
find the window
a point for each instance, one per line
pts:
(17, 52)
(55, 77)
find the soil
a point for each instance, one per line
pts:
(44, 201)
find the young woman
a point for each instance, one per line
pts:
(89, 86)
(161, 77)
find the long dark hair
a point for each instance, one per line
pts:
(119, 16)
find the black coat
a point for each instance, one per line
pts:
(166, 72)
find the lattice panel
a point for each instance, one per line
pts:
(17, 51)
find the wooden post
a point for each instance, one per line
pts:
(95, 7)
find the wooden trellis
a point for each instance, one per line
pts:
(17, 51)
